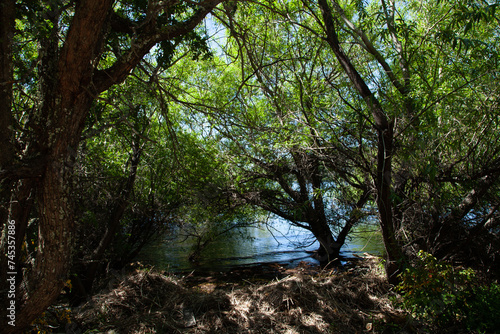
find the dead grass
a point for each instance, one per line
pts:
(354, 301)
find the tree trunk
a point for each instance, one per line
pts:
(354, 217)
(57, 127)
(394, 253)
(7, 25)
(69, 81)
(384, 130)
(48, 275)
(16, 199)
(329, 249)
(7, 15)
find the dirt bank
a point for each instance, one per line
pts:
(251, 300)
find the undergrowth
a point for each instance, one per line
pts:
(304, 301)
(449, 298)
(433, 296)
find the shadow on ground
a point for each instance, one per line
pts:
(302, 300)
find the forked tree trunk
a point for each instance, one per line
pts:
(69, 81)
(57, 126)
(384, 128)
(329, 249)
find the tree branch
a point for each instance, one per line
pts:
(368, 45)
(148, 36)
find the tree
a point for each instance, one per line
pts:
(407, 99)
(110, 197)
(385, 133)
(395, 72)
(36, 177)
(258, 101)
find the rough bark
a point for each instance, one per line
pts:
(69, 82)
(7, 15)
(7, 24)
(58, 125)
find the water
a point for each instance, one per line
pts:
(278, 243)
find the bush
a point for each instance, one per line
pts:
(483, 309)
(449, 297)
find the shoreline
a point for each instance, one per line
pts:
(262, 271)
(306, 299)
(309, 260)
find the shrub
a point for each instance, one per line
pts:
(449, 297)
(483, 309)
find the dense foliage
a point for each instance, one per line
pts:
(390, 106)
(450, 298)
(123, 120)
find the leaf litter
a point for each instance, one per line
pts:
(303, 300)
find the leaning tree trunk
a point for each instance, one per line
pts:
(47, 277)
(384, 128)
(52, 194)
(69, 81)
(57, 127)
(383, 180)
(42, 283)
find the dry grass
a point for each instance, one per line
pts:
(354, 301)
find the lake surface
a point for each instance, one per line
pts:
(278, 242)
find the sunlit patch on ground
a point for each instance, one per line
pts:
(304, 301)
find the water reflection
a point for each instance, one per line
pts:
(278, 242)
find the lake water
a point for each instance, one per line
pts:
(265, 244)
